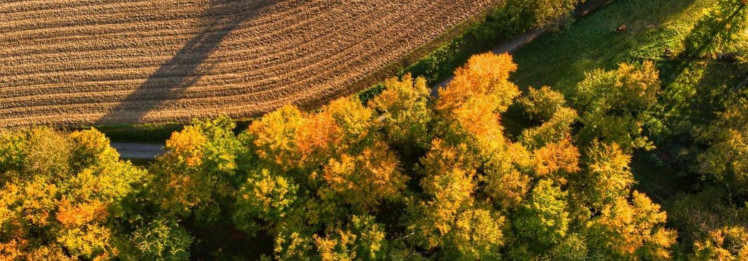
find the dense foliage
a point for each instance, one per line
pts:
(406, 176)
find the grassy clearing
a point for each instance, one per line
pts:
(560, 60)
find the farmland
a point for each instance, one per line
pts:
(122, 62)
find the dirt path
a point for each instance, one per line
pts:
(520, 41)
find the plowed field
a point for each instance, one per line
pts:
(80, 62)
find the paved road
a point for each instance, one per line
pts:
(129, 150)
(150, 151)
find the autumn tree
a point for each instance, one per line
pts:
(606, 176)
(727, 243)
(198, 174)
(632, 229)
(404, 111)
(62, 194)
(548, 107)
(616, 105)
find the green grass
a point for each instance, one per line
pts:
(560, 60)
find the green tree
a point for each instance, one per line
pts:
(726, 159)
(543, 219)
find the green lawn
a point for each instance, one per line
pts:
(560, 60)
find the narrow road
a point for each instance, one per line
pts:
(520, 41)
(129, 150)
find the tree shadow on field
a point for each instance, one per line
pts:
(184, 68)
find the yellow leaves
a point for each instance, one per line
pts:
(335, 171)
(327, 247)
(400, 93)
(92, 145)
(608, 175)
(365, 179)
(264, 196)
(185, 146)
(633, 229)
(291, 246)
(509, 189)
(47, 153)
(362, 240)
(726, 160)
(354, 119)
(477, 234)
(275, 133)
(91, 241)
(38, 201)
(726, 243)
(484, 76)
(292, 139)
(405, 113)
(639, 83)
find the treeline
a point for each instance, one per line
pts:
(404, 177)
(481, 172)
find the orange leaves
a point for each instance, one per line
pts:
(75, 215)
(470, 105)
(317, 135)
(555, 157)
(291, 139)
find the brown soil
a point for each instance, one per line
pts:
(82, 62)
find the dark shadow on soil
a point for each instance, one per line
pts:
(184, 69)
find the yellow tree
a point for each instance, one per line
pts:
(404, 111)
(727, 243)
(615, 105)
(198, 172)
(631, 229)
(61, 194)
(607, 175)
